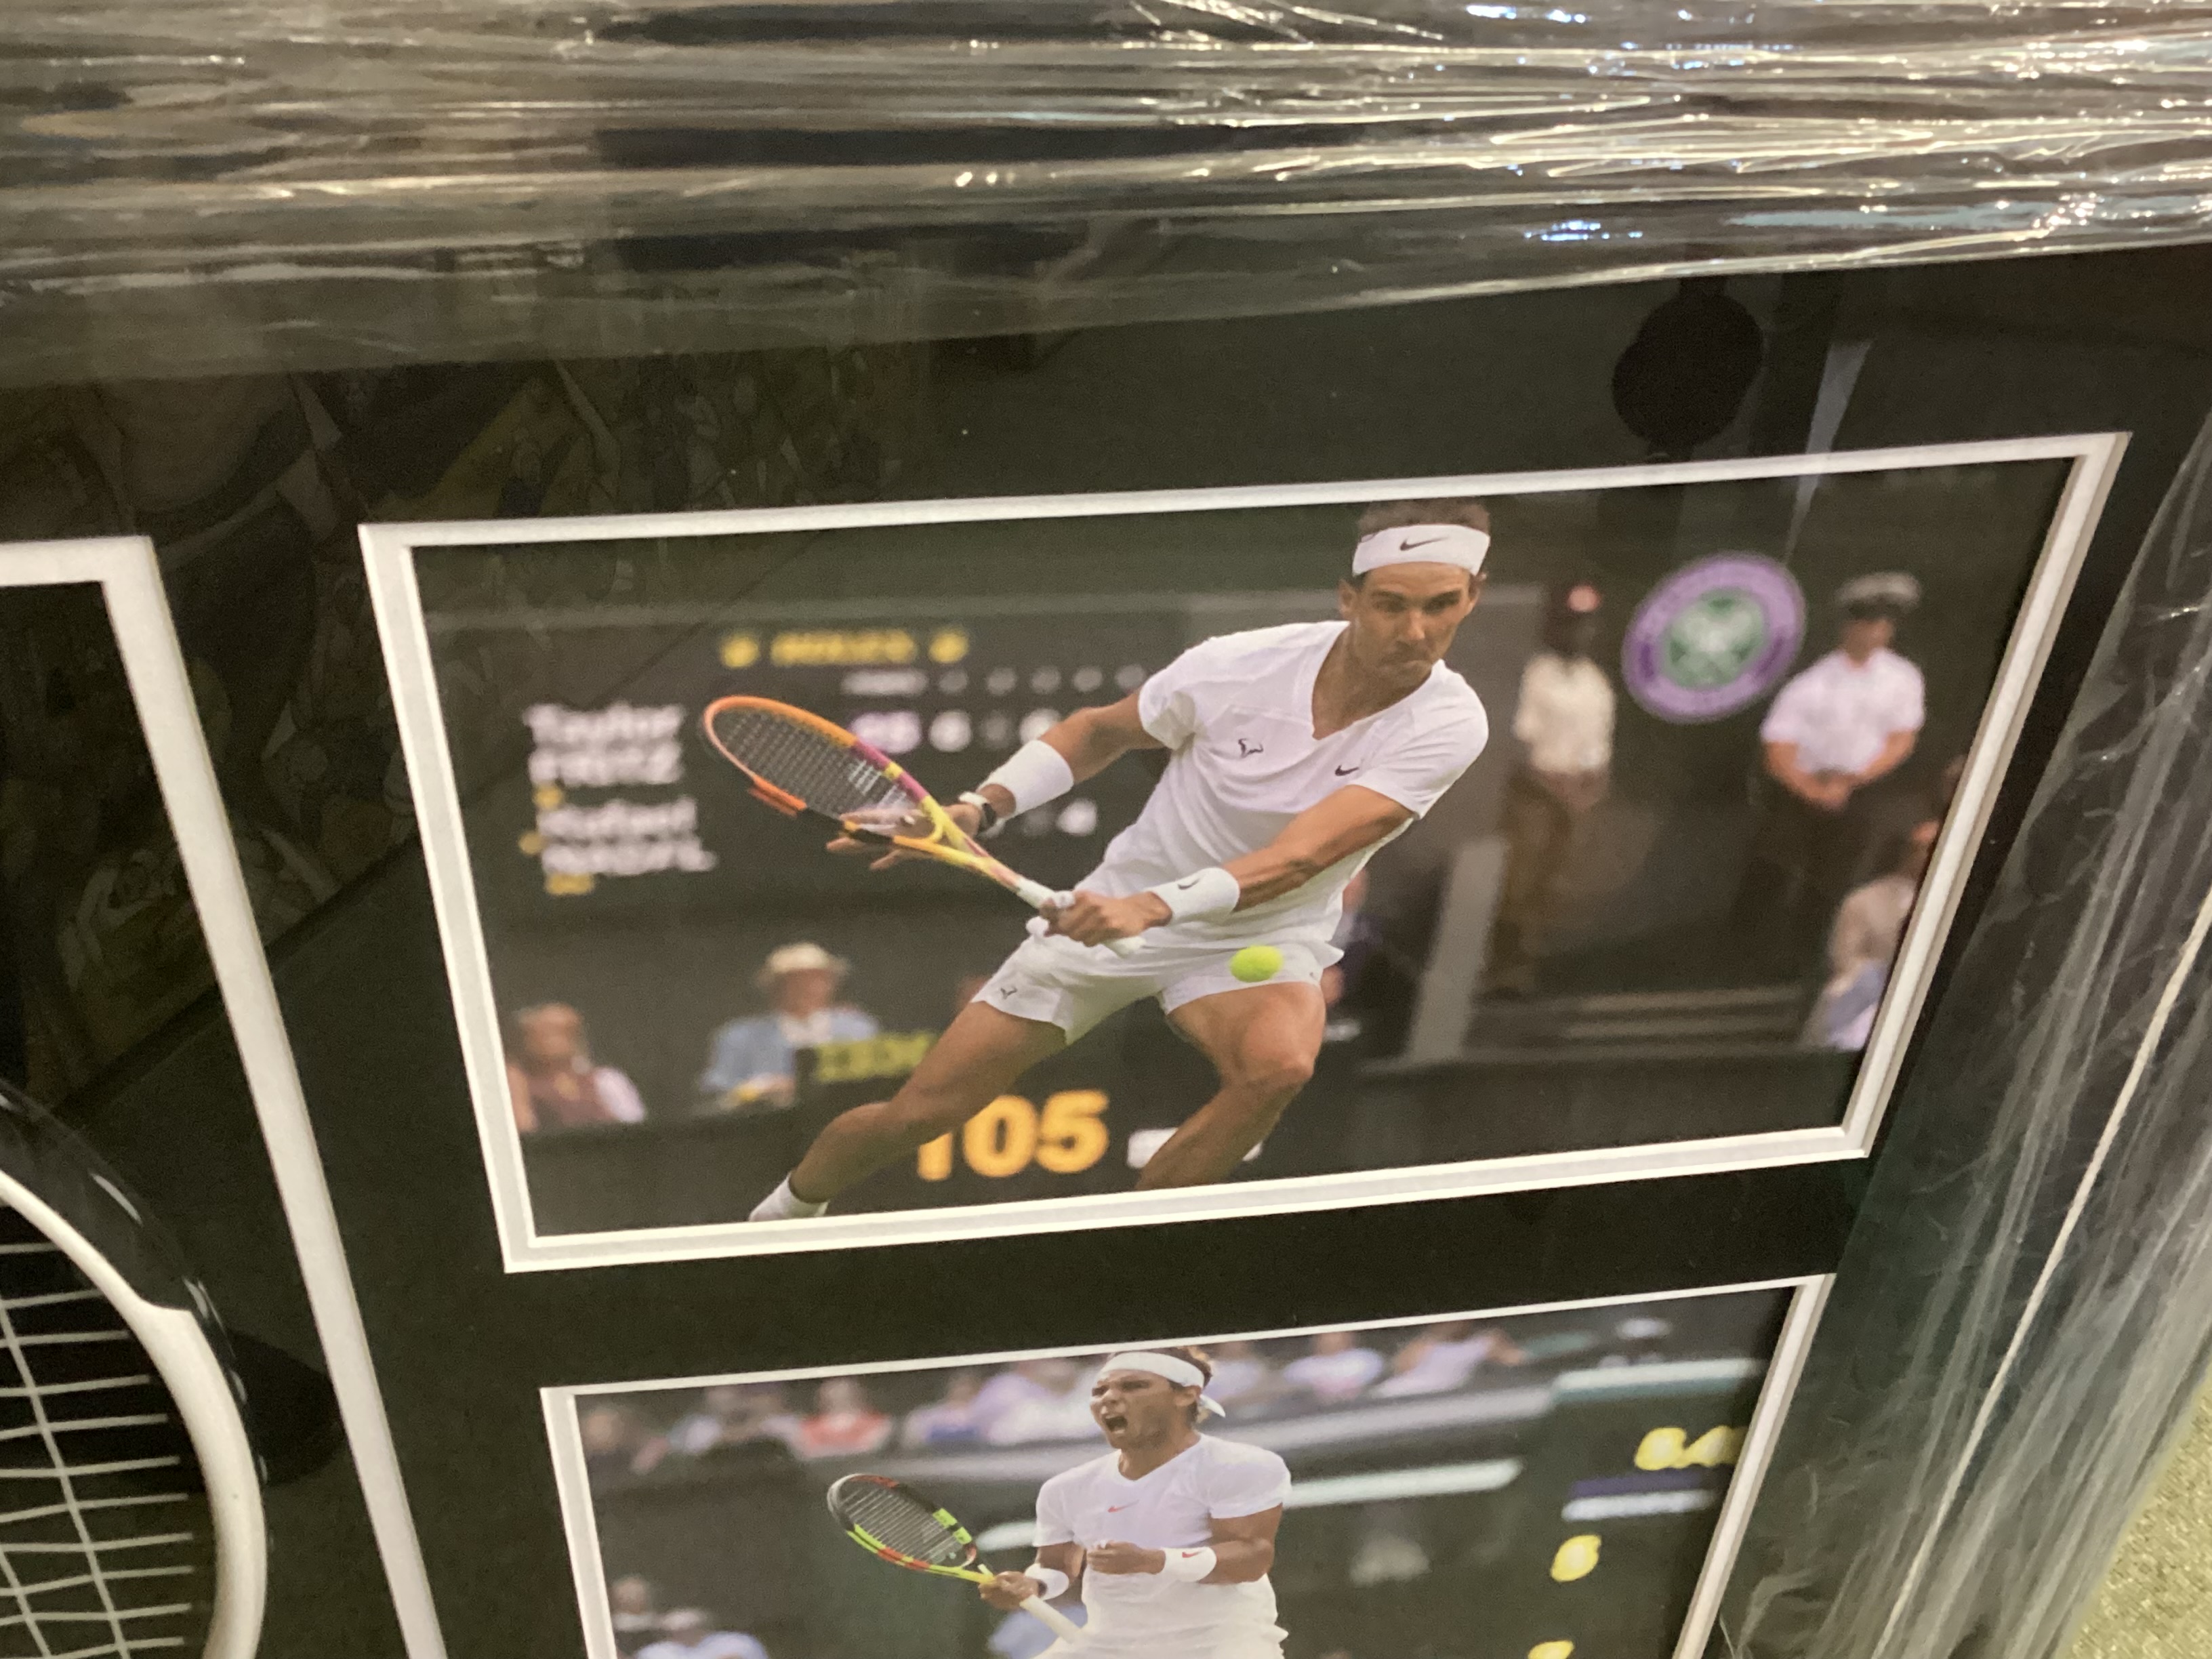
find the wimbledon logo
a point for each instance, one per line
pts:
(1713, 638)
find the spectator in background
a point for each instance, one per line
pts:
(1835, 730)
(635, 1605)
(689, 1633)
(952, 1420)
(616, 1442)
(844, 1424)
(551, 1082)
(1565, 717)
(1053, 1414)
(1242, 1379)
(1336, 1368)
(1862, 945)
(753, 1064)
(1444, 1357)
(1032, 1380)
(731, 1414)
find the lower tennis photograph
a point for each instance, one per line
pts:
(1567, 1481)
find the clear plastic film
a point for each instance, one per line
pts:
(2026, 1309)
(221, 185)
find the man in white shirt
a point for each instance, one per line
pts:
(1836, 728)
(1565, 717)
(1170, 1533)
(1294, 753)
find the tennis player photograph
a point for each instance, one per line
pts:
(1474, 1485)
(833, 875)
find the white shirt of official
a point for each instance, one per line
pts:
(1839, 713)
(1171, 1507)
(1565, 714)
(1235, 712)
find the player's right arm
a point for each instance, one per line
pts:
(1010, 1589)
(1090, 740)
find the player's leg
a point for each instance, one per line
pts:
(1262, 1040)
(978, 1058)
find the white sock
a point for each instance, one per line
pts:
(784, 1205)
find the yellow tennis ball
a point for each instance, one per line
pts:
(1256, 963)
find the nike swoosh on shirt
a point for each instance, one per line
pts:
(1342, 771)
(1116, 1509)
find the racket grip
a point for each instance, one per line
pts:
(1052, 1619)
(1037, 895)
(1039, 928)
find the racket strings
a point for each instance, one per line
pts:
(830, 777)
(104, 1543)
(900, 1520)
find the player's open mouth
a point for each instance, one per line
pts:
(1113, 1422)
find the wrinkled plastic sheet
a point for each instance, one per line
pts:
(223, 184)
(2025, 1311)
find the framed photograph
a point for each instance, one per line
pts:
(1649, 834)
(1547, 1480)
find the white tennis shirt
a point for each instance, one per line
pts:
(1235, 712)
(1171, 1507)
(1839, 713)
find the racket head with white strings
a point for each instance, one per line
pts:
(798, 762)
(131, 1493)
(893, 1521)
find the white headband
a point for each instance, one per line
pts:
(1418, 544)
(1181, 1371)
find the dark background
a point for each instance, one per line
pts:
(1994, 349)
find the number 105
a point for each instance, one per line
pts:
(1066, 1138)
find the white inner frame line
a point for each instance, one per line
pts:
(128, 576)
(389, 552)
(1785, 1370)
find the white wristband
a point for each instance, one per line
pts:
(1212, 891)
(1052, 1582)
(1187, 1566)
(1033, 775)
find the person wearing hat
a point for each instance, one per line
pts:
(1565, 717)
(1836, 730)
(1170, 1534)
(1295, 754)
(753, 1064)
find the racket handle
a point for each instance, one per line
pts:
(1052, 1619)
(1037, 896)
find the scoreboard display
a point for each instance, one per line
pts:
(610, 799)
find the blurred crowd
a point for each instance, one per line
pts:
(1038, 1400)
(644, 1630)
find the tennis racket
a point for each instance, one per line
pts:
(800, 762)
(890, 1519)
(131, 1517)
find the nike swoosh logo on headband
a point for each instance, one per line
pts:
(1408, 547)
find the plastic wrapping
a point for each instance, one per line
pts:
(215, 184)
(2025, 1310)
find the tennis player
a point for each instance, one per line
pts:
(1296, 752)
(1170, 1533)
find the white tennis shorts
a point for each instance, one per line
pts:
(1074, 986)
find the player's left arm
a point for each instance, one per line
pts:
(1344, 822)
(1347, 821)
(1243, 1546)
